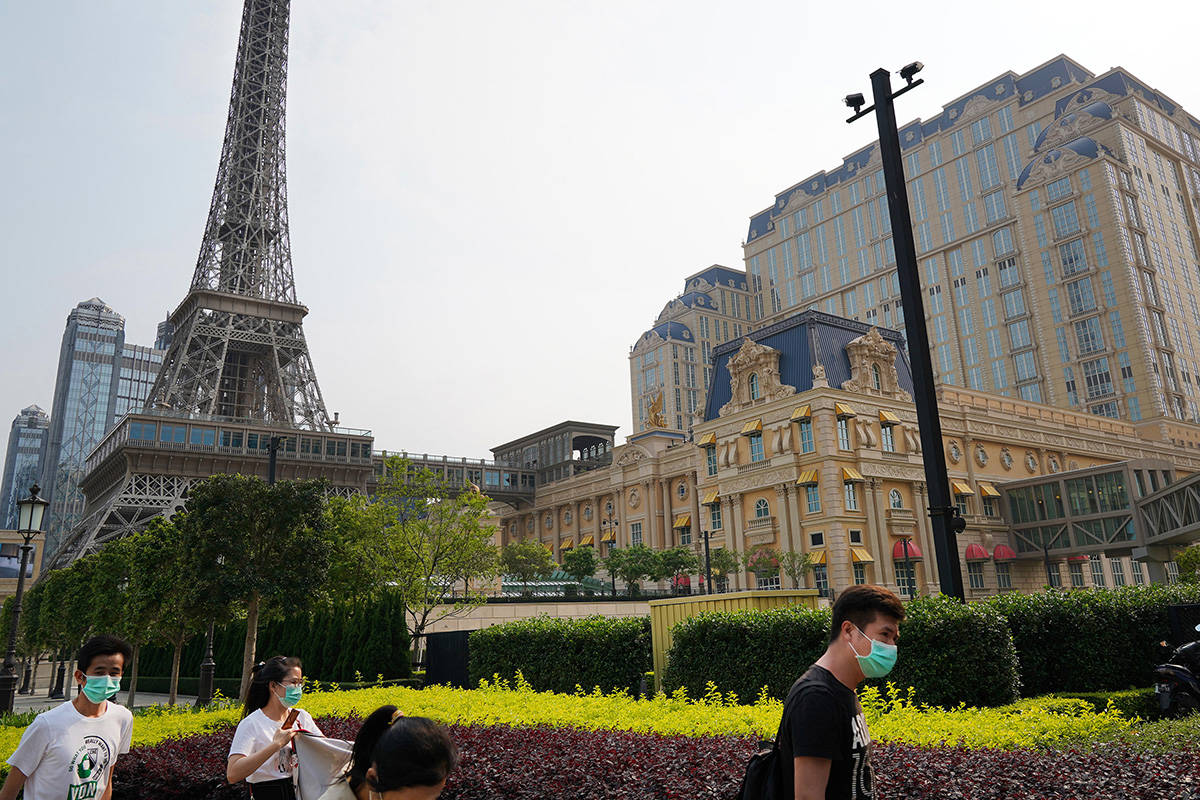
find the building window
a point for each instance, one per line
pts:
(960, 502)
(856, 537)
(806, 436)
(1054, 575)
(1098, 572)
(1118, 571)
(685, 535)
(1139, 577)
(876, 378)
(816, 539)
(635, 534)
(754, 393)
(821, 579)
(887, 438)
(989, 506)
(860, 573)
(714, 518)
(1003, 575)
(768, 582)
(843, 430)
(710, 459)
(975, 574)
(756, 447)
(813, 496)
(682, 490)
(1076, 571)
(1172, 572)
(761, 509)
(851, 497)
(895, 499)
(906, 579)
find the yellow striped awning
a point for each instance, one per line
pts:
(548, 546)
(682, 521)
(710, 498)
(707, 440)
(961, 488)
(987, 490)
(859, 555)
(567, 543)
(888, 418)
(808, 478)
(851, 475)
(843, 410)
(802, 413)
(818, 556)
(751, 427)
(611, 536)
(587, 541)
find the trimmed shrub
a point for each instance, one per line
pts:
(559, 654)
(1129, 704)
(1089, 640)
(743, 651)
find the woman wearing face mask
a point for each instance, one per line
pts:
(396, 758)
(262, 753)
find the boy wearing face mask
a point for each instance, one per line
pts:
(824, 745)
(70, 751)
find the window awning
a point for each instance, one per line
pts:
(851, 475)
(809, 477)
(802, 413)
(961, 488)
(682, 521)
(1004, 553)
(752, 427)
(859, 555)
(707, 440)
(976, 552)
(843, 410)
(611, 536)
(1079, 558)
(567, 544)
(711, 498)
(587, 541)
(987, 490)
(888, 418)
(914, 552)
(818, 556)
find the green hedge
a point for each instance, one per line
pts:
(949, 652)
(188, 686)
(333, 643)
(559, 654)
(1130, 703)
(1089, 640)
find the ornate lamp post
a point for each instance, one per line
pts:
(29, 514)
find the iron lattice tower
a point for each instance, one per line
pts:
(239, 350)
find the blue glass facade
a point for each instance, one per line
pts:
(23, 461)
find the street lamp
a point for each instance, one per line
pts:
(707, 565)
(29, 515)
(944, 517)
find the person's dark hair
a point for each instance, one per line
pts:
(102, 645)
(264, 673)
(861, 604)
(405, 751)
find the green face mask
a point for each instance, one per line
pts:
(99, 688)
(291, 695)
(879, 661)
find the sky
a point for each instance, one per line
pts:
(490, 200)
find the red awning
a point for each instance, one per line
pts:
(1078, 558)
(1004, 553)
(976, 552)
(914, 552)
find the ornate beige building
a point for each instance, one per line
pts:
(1056, 215)
(808, 443)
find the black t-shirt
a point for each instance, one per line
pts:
(825, 721)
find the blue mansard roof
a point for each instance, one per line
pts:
(718, 276)
(810, 337)
(667, 331)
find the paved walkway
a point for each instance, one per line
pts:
(39, 701)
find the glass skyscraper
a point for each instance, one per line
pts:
(23, 461)
(100, 378)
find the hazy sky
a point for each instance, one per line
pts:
(490, 200)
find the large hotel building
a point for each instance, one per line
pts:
(1056, 216)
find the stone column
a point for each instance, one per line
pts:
(737, 535)
(694, 488)
(925, 538)
(795, 532)
(876, 537)
(668, 516)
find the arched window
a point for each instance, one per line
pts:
(754, 393)
(761, 509)
(896, 500)
(875, 376)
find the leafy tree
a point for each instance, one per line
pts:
(722, 562)
(260, 548)
(795, 565)
(762, 560)
(1188, 562)
(632, 564)
(365, 555)
(673, 563)
(527, 560)
(580, 563)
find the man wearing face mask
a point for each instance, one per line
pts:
(69, 751)
(824, 745)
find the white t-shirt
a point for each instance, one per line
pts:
(256, 731)
(67, 755)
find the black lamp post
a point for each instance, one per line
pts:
(707, 565)
(29, 515)
(609, 524)
(944, 518)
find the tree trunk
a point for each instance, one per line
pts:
(133, 672)
(250, 646)
(176, 657)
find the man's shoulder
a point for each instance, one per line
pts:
(120, 713)
(816, 679)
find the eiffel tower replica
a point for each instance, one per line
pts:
(237, 389)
